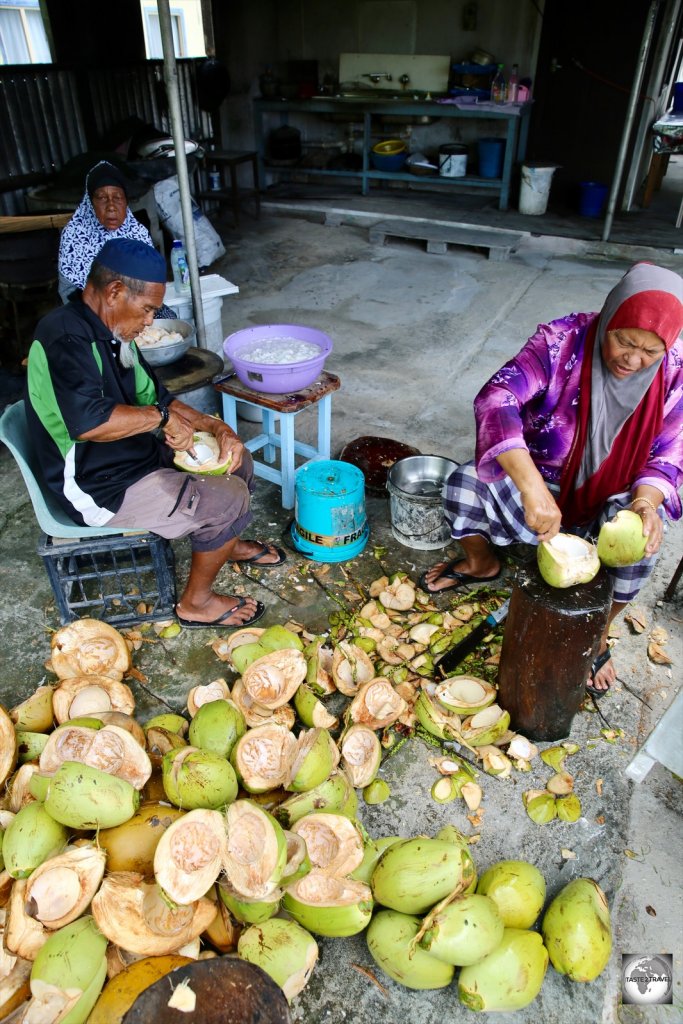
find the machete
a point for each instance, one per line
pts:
(451, 658)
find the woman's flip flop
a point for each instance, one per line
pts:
(449, 573)
(601, 660)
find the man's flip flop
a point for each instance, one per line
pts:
(220, 622)
(265, 550)
(449, 573)
(601, 660)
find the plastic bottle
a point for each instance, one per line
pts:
(498, 86)
(181, 273)
(513, 84)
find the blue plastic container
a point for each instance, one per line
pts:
(491, 157)
(592, 198)
(330, 524)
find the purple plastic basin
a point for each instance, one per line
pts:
(276, 378)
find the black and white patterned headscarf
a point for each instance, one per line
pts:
(84, 236)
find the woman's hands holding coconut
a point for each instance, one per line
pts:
(645, 501)
(541, 513)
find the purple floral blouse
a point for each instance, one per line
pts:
(532, 401)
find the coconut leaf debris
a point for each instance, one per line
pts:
(124, 844)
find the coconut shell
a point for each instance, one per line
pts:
(257, 850)
(131, 846)
(8, 746)
(121, 992)
(377, 705)
(198, 695)
(351, 667)
(89, 695)
(333, 842)
(89, 647)
(15, 988)
(263, 757)
(273, 679)
(61, 888)
(190, 854)
(35, 713)
(256, 714)
(23, 935)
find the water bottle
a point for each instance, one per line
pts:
(181, 273)
(498, 86)
(513, 84)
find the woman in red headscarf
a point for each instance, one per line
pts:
(587, 419)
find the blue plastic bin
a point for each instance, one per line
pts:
(592, 198)
(491, 157)
(330, 524)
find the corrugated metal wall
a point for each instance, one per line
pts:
(42, 123)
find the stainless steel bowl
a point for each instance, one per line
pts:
(421, 475)
(169, 352)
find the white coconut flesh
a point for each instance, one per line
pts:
(90, 700)
(114, 751)
(319, 889)
(88, 647)
(333, 842)
(351, 667)
(189, 856)
(207, 451)
(198, 695)
(465, 692)
(362, 752)
(202, 453)
(377, 705)
(69, 743)
(85, 696)
(253, 850)
(60, 889)
(273, 679)
(483, 719)
(297, 851)
(264, 756)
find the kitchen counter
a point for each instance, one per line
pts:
(365, 106)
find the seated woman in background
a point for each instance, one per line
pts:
(587, 419)
(102, 215)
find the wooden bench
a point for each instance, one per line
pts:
(438, 237)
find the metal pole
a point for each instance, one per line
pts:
(630, 115)
(178, 132)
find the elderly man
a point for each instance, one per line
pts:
(105, 430)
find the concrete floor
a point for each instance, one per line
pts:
(415, 336)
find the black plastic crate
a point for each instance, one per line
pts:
(107, 577)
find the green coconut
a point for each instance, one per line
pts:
(566, 560)
(312, 711)
(413, 875)
(170, 722)
(207, 450)
(510, 977)
(621, 541)
(326, 905)
(464, 932)
(376, 792)
(541, 806)
(451, 834)
(315, 757)
(298, 861)
(74, 957)
(30, 745)
(434, 718)
(390, 941)
(333, 796)
(249, 911)
(465, 695)
(31, 838)
(372, 851)
(568, 807)
(518, 890)
(256, 855)
(274, 638)
(486, 726)
(82, 797)
(35, 713)
(196, 778)
(284, 950)
(577, 930)
(216, 727)
(131, 846)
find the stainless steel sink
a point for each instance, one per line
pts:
(374, 96)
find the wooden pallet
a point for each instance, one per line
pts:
(438, 237)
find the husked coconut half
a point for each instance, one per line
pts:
(35, 713)
(361, 753)
(198, 695)
(486, 726)
(333, 842)
(88, 647)
(83, 696)
(207, 451)
(312, 711)
(256, 714)
(19, 788)
(263, 757)
(465, 695)
(315, 758)
(124, 721)
(248, 635)
(8, 746)
(398, 596)
(116, 752)
(319, 667)
(70, 743)
(274, 678)
(298, 862)
(257, 850)
(351, 667)
(377, 705)
(61, 888)
(327, 905)
(132, 913)
(567, 560)
(24, 936)
(190, 854)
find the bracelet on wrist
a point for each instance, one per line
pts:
(164, 413)
(645, 501)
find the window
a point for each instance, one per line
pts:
(186, 24)
(22, 33)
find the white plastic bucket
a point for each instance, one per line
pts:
(535, 188)
(212, 320)
(453, 160)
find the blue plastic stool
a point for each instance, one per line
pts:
(287, 408)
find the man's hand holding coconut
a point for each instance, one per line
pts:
(585, 423)
(107, 432)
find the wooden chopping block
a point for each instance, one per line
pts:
(551, 638)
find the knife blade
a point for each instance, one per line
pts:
(451, 658)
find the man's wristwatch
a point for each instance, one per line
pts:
(164, 413)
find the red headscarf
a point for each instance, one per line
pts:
(648, 298)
